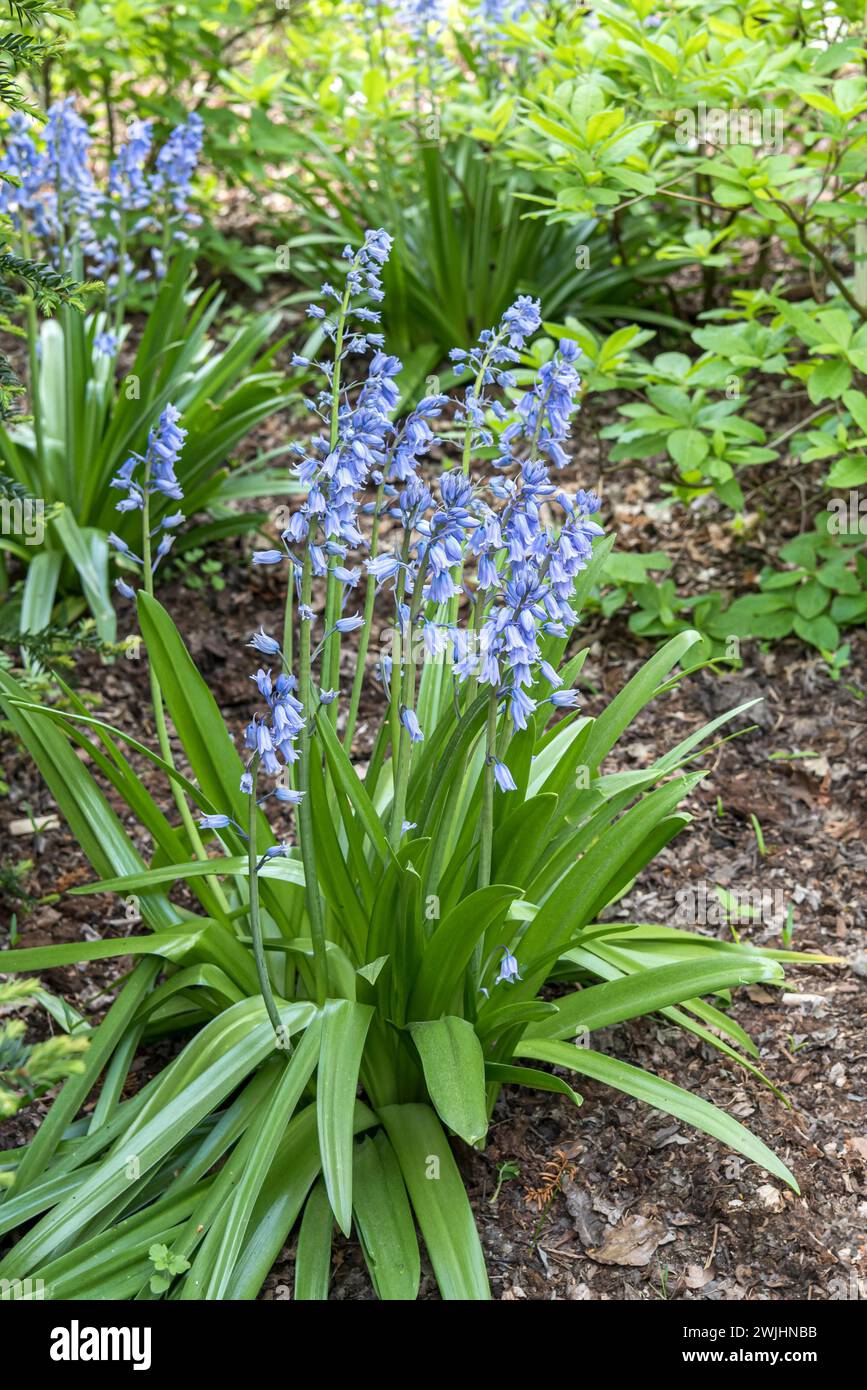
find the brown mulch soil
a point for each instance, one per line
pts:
(611, 1201)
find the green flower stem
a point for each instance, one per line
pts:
(398, 811)
(404, 694)
(166, 236)
(287, 620)
(487, 820)
(331, 652)
(397, 681)
(398, 733)
(482, 597)
(331, 656)
(504, 740)
(160, 716)
(255, 920)
(475, 626)
(288, 648)
(477, 967)
(399, 806)
(364, 634)
(305, 812)
(465, 465)
(477, 386)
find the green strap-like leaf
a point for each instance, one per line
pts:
(451, 947)
(597, 963)
(675, 756)
(646, 992)
(313, 1256)
(582, 888)
(344, 1029)
(384, 1221)
(87, 548)
(635, 695)
(518, 839)
(235, 866)
(171, 945)
(195, 714)
(272, 1119)
(439, 1200)
(337, 883)
(77, 1088)
(222, 1054)
(454, 1070)
(508, 1015)
(348, 781)
(662, 1095)
(40, 590)
(292, 1174)
(501, 1074)
(94, 824)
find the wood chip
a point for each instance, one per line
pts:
(33, 825)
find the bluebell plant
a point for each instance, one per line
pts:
(511, 543)
(140, 477)
(116, 229)
(360, 990)
(132, 225)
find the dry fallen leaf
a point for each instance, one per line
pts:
(633, 1242)
(819, 767)
(696, 1277)
(759, 995)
